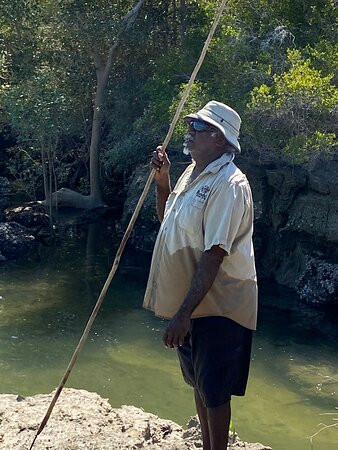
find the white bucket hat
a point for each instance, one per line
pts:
(224, 118)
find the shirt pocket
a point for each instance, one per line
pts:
(190, 216)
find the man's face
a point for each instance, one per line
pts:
(203, 138)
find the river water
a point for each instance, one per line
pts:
(44, 305)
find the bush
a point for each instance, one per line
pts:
(295, 115)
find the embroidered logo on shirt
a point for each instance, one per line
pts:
(202, 193)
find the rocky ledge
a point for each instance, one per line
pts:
(84, 420)
(296, 222)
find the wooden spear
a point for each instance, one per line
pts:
(127, 233)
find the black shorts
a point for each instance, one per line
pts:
(215, 359)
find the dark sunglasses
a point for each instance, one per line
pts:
(200, 126)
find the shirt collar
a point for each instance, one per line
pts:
(216, 165)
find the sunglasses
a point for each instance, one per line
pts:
(200, 126)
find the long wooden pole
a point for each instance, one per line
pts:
(131, 224)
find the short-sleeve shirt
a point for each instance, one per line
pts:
(214, 209)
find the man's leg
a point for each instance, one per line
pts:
(219, 422)
(203, 416)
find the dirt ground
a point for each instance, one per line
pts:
(84, 420)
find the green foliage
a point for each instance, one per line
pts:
(296, 113)
(274, 61)
(39, 108)
(307, 148)
(129, 152)
(24, 166)
(195, 101)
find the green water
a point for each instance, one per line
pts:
(44, 305)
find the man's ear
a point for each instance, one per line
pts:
(220, 139)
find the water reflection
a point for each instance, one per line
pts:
(45, 304)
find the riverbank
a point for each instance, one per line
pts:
(295, 230)
(46, 302)
(84, 420)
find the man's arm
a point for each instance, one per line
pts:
(202, 281)
(161, 164)
(162, 194)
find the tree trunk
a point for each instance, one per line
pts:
(50, 191)
(67, 197)
(44, 172)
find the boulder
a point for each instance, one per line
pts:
(29, 216)
(15, 241)
(84, 420)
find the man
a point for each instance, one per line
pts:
(202, 275)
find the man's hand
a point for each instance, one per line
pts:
(161, 164)
(176, 330)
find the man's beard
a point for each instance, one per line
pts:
(186, 151)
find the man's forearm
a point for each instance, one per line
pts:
(203, 279)
(162, 194)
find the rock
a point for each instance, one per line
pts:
(298, 219)
(318, 281)
(15, 241)
(323, 178)
(296, 216)
(29, 216)
(316, 215)
(84, 420)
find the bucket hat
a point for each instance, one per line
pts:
(224, 118)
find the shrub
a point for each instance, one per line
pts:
(295, 115)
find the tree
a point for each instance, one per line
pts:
(90, 25)
(70, 38)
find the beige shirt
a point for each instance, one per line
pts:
(214, 209)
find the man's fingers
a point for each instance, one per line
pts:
(162, 155)
(168, 338)
(156, 159)
(176, 340)
(155, 162)
(164, 158)
(160, 159)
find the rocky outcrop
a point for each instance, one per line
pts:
(15, 241)
(29, 215)
(296, 223)
(84, 420)
(296, 226)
